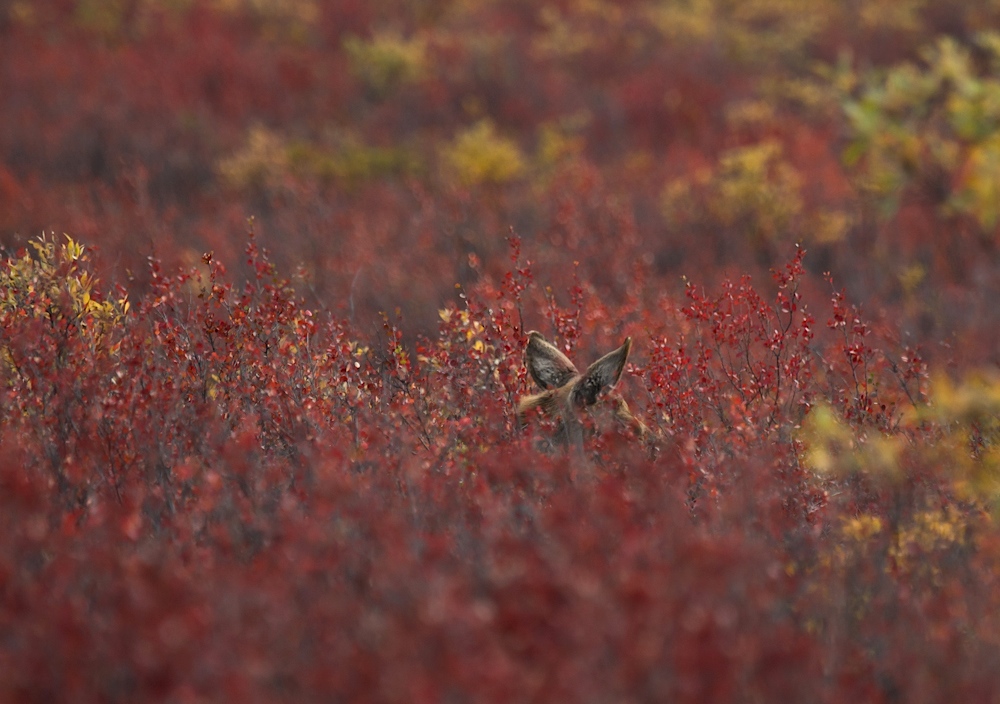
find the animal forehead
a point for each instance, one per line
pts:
(605, 409)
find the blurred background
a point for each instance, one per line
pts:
(384, 150)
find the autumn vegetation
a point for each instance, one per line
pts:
(268, 272)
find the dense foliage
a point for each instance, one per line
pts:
(258, 428)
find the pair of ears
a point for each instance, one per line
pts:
(551, 369)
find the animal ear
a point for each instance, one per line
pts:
(602, 374)
(549, 367)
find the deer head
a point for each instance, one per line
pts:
(566, 393)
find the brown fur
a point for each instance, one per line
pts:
(566, 392)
